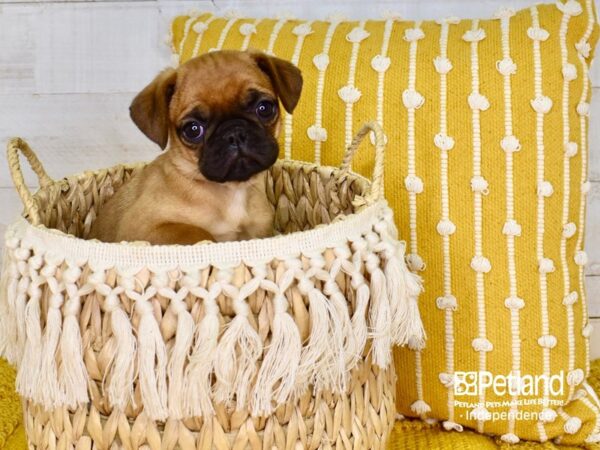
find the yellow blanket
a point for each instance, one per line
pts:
(407, 435)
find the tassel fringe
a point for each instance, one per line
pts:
(48, 388)
(205, 364)
(120, 386)
(197, 382)
(322, 360)
(152, 357)
(8, 315)
(280, 365)
(183, 343)
(29, 369)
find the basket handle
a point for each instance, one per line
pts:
(14, 147)
(377, 190)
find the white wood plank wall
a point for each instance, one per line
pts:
(68, 70)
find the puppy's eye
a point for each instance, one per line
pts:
(266, 110)
(193, 131)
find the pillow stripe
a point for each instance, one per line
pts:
(567, 147)
(582, 110)
(444, 143)
(414, 185)
(510, 144)
(301, 31)
(317, 133)
(537, 34)
(478, 186)
(274, 34)
(202, 30)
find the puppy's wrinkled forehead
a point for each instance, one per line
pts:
(217, 82)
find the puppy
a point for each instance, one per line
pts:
(219, 116)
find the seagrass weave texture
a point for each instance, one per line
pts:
(276, 343)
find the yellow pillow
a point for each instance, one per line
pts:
(486, 122)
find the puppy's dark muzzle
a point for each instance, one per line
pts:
(236, 150)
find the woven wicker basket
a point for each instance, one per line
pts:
(279, 343)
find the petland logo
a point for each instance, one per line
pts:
(514, 384)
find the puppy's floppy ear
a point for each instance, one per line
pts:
(286, 78)
(150, 108)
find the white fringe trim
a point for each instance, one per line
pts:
(208, 361)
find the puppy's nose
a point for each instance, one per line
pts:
(236, 137)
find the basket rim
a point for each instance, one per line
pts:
(219, 254)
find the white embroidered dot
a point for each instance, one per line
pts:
(581, 258)
(200, 27)
(357, 34)
(575, 377)
(412, 99)
(569, 230)
(380, 63)
(415, 262)
(514, 303)
(548, 415)
(316, 133)
(541, 104)
(511, 228)
(511, 438)
(452, 426)
(482, 345)
(587, 330)
(478, 101)
(506, 66)
(443, 142)
(569, 72)
(583, 48)
(246, 29)
(413, 34)
(447, 379)
(442, 65)
(571, 149)
(504, 12)
(585, 187)
(545, 189)
(583, 108)
(481, 264)
(510, 144)
(570, 7)
(479, 184)
(446, 302)
(546, 265)
(413, 184)
(304, 29)
(570, 299)
(474, 35)
(420, 407)
(446, 227)
(537, 34)
(321, 61)
(349, 94)
(480, 413)
(573, 425)
(547, 341)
